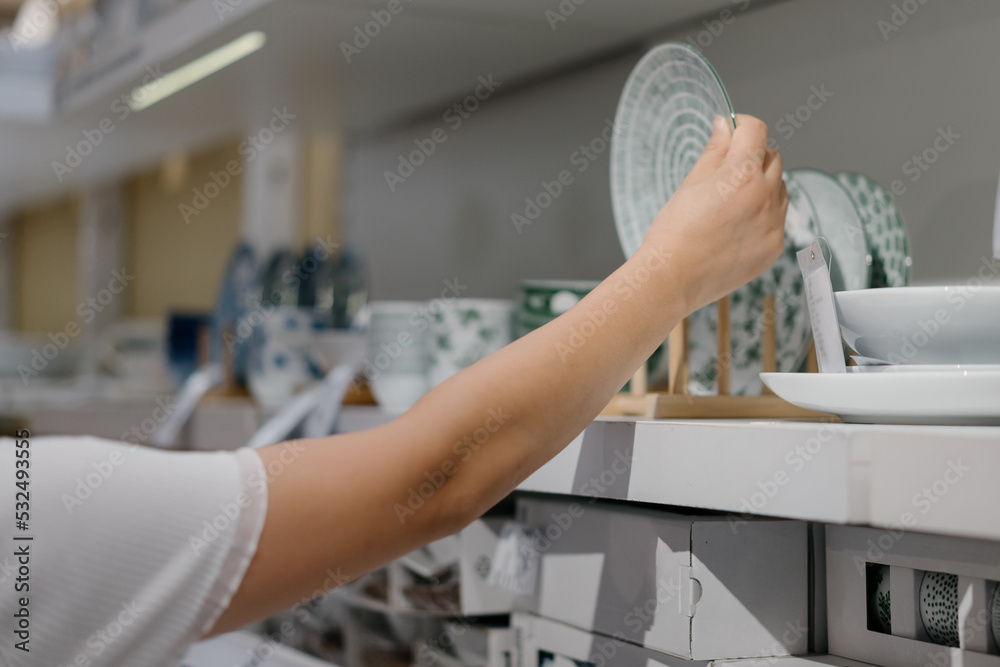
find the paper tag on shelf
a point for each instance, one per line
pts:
(822, 309)
(516, 561)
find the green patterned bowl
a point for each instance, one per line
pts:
(541, 301)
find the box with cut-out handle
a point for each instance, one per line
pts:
(900, 598)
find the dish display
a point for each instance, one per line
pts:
(963, 397)
(663, 121)
(840, 225)
(746, 313)
(923, 325)
(883, 222)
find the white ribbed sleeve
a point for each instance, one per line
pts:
(135, 551)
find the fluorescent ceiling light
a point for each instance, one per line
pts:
(150, 93)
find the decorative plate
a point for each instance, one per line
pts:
(277, 286)
(746, 313)
(939, 607)
(995, 614)
(663, 122)
(879, 598)
(883, 222)
(840, 225)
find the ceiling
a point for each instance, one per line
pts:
(428, 54)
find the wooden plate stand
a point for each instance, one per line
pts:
(677, 403)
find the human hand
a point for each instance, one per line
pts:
(725, 224)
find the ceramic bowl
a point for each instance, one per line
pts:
(923, 325)
(939, 607)
(541, 301)
(396, 367)
(281, 361)
(464, 331)
(332, 347)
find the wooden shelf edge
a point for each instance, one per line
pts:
(679, 406)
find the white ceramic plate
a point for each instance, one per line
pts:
(923, 325)
(840, 225)
(924, 368)
(963, 397)
(663, 122)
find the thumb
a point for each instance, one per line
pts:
(714, 152)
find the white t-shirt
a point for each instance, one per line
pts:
(133, 552)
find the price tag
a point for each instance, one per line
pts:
(822, 309)
(516, 560)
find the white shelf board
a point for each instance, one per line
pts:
(846, 473)
(430, 55)
(217, 424)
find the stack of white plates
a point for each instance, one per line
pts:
(930, 355)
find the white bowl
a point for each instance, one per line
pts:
(397, 392)
(923, 325)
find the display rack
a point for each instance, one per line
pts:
(678, 403)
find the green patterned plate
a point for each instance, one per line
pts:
(840, 225)
(890, 246)
(746, 313)
(663, 122)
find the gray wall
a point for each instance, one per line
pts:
(451, 218)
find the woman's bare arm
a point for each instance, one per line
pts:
(344, 505)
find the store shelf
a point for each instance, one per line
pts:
(888, 476)
(875, 475)
(884, 476)
(217, 423)
(409, 68)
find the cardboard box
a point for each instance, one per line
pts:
(240, 648)
(852, 551)
(464, 644)
(542, 642)
(793, 661)
(694, 586)
(471, 551)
